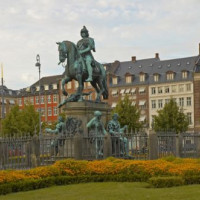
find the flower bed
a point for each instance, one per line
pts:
(108, 170)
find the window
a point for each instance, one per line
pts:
(184, 74)
(181, 101)
(142, 90)
(160, 103)
(156, 77)
(90, 97)
(142, 104)
(189, 116)
(153, 103)
(55, 87)
(173, 88)
(160, 90)
(46, 87)
(76, 84)
(142, 77)
(170, 76)
(188, 87)
(42, 99)
(32, 100)
(181, 88)
(69, 85)
(114, 92)
(189, 101)
(133, 91)
(37, 100)
(42, 111)
(166, 89)
(37, 88)
(114, 80)
(128, 79)
(49, 99)
(49, 111)
(54, 98)
(153, 90)
(55, 111)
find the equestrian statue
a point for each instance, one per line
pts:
(82, 67)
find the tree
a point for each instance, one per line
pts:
(172, 118)
(22, 122)
(128, 114)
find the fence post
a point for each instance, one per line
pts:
(35, 151)
(197, 138)
(178, 149)
(107, 146)
(153, 146)
(78, 146)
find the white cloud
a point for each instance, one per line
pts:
(121, 29)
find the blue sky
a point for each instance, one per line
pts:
(121, 29)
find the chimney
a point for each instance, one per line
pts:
(157, 55)
(133, 58)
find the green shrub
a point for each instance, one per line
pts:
(191, 179)
(32, 184)
(161, 182)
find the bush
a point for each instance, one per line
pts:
(192, 179)
(161, 182)
(32, 184)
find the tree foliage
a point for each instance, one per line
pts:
(172, 118)
(22, 122)
(128, 114)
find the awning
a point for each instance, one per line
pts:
(4, 101)
(122, 91)
(114, 105)
(141, 103)
(142, 89)
(133, 90)
(114, 92)
(133, 103)
(142, 118)
(127, 90)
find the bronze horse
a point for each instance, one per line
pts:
(76, 69)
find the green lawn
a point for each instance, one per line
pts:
(108, 191)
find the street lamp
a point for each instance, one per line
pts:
(39, 65)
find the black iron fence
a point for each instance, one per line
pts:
(27, 152)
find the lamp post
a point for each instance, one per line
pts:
(39, 65)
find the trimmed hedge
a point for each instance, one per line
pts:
(161, 182)
(33, 184)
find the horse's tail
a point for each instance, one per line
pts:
(104, 82)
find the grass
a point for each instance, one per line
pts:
(108, 191)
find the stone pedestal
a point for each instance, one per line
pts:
(85, 112)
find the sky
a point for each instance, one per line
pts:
(121, 29)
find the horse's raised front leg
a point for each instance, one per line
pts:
(64, 82)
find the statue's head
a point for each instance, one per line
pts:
(60, 119)
(115, 116)
(97, 114)
(84, 32)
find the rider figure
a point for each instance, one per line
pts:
(85, 45)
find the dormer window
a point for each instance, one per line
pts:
(184, 74)
(46, 87)
(156, 77)
(170, 76)
(128, 79)
(114, 80)
(142, 77)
